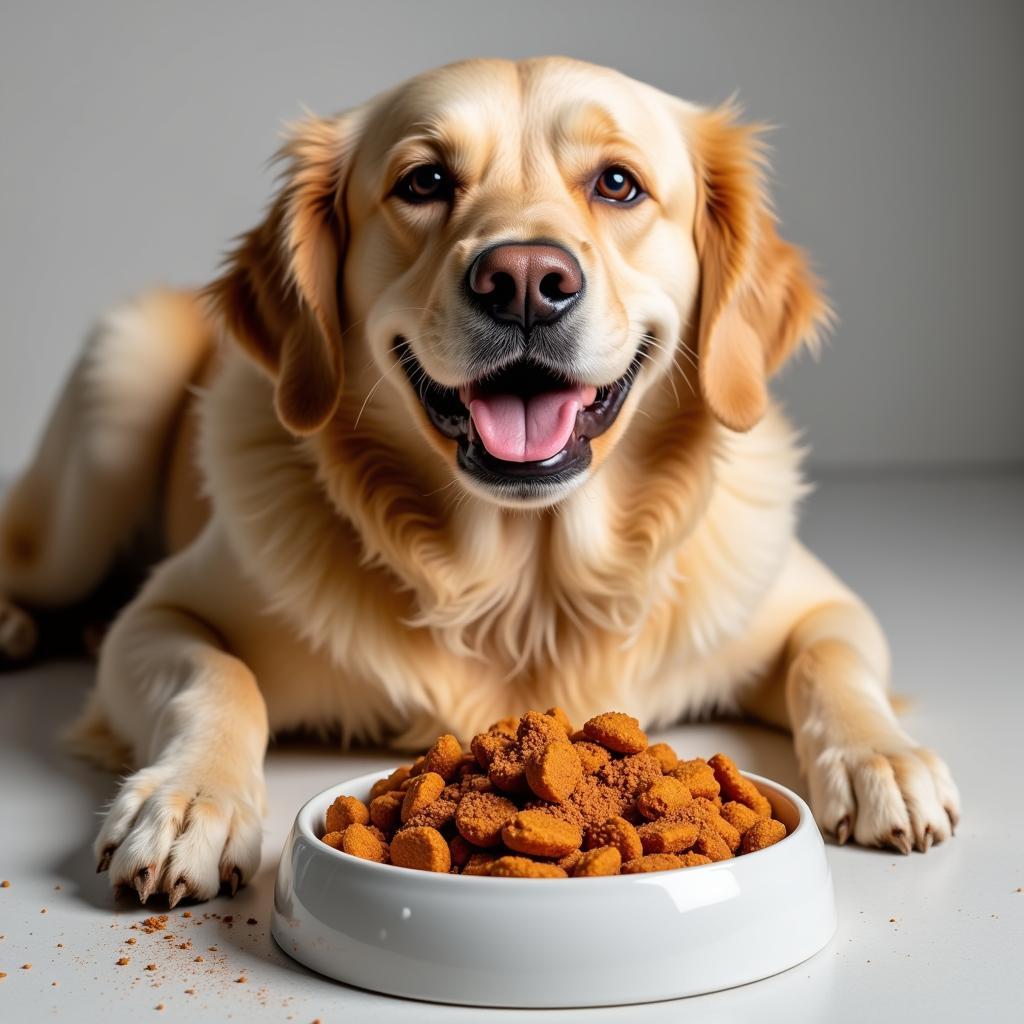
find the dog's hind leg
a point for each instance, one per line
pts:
(96, 475)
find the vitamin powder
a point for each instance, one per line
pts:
(535, 798)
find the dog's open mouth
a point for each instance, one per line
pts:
(521, 423)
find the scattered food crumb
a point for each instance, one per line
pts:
(124, 961)
(228, 918)
(186, 913)
(150, 967)
(5, 884)
(43, 911)
(212, 949)
(892, 920)
(185, 945)
(2, 975)
(53, 984)
(159, 1006)
(26, 967)
(156, 923)
(197, 960)
(241, 979)
(131, 941)
(190, 991)
(60, 945)
(252, 920)
(56, 888)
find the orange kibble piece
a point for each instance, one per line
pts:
(345, 811)
(693, 860)
(554, 771)
(663, 796)
(333, 840)
(392, 782)
(562, 719)
(698, 776)
(523, 867)
(616, 731)
(480, 817)
(541, 834)
(664, 755)
(711, 844)
(486, 745)
(668, 836)
(652, 862)
(619, 833)
(740, 816)
(386, 810)
(762, 834)
(738, 787)
(360, 841)
(423, 849)
(422, 791)
(592, 755)
(444, 757)
(603, 860)
(479, 864)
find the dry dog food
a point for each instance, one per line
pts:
(535, 798)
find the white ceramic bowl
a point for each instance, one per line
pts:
(553, 942)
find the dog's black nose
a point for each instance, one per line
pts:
(525, 282)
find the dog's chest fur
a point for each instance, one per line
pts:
(436, 614)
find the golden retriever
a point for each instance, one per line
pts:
(483, 425)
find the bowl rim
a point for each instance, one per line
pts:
(346, 861)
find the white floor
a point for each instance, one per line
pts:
(932, 937)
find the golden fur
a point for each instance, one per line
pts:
(349, 576)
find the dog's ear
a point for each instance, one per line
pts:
(281, 292)
(758, 298)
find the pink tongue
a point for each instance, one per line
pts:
(515, 429)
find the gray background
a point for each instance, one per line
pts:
(135, 138)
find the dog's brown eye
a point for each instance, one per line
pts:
(426, 184)
(617, 186)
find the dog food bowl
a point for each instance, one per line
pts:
(527, 942)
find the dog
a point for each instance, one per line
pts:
(476, 420)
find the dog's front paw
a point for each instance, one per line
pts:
(183, 832)
(896, 795)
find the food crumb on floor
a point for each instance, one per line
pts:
(150, 967)
(2, 975)
(26, 967)
(5, 884)
(124, 961)
(241, 979)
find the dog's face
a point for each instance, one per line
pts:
(513, 255)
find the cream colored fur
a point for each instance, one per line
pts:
(348, 578)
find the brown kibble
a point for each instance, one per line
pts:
(616, 731)
(444, 757)
(603, 860)
(150, 967)
(486, 745)
(692, 860)
(345, 811)
(619, 833)
(507, 769)
(698, 776)
(592, 755)
(5, 884)
(197, 960)
(423, 849)
(570, 860)
(738, 787)
(663, 796)
(541, 834)
(124, 961)
(479, 864)
(386, 810)
(241, 979)
(422, 792)
(130, 941)
(711, 844)
(740, 816)
(562, 719)
(523, 867)
(391, 783)
(652, 862)
(762, 834)
(359, 841)
(664, 755)
(668, 836)
(251, 920)
(480, 817)
(333, 839)
(554, 771)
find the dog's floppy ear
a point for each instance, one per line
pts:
(758, 298)
(280, 294)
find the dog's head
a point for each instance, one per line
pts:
(505, 258)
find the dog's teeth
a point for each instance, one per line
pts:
(145, 883)
(178, 892)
